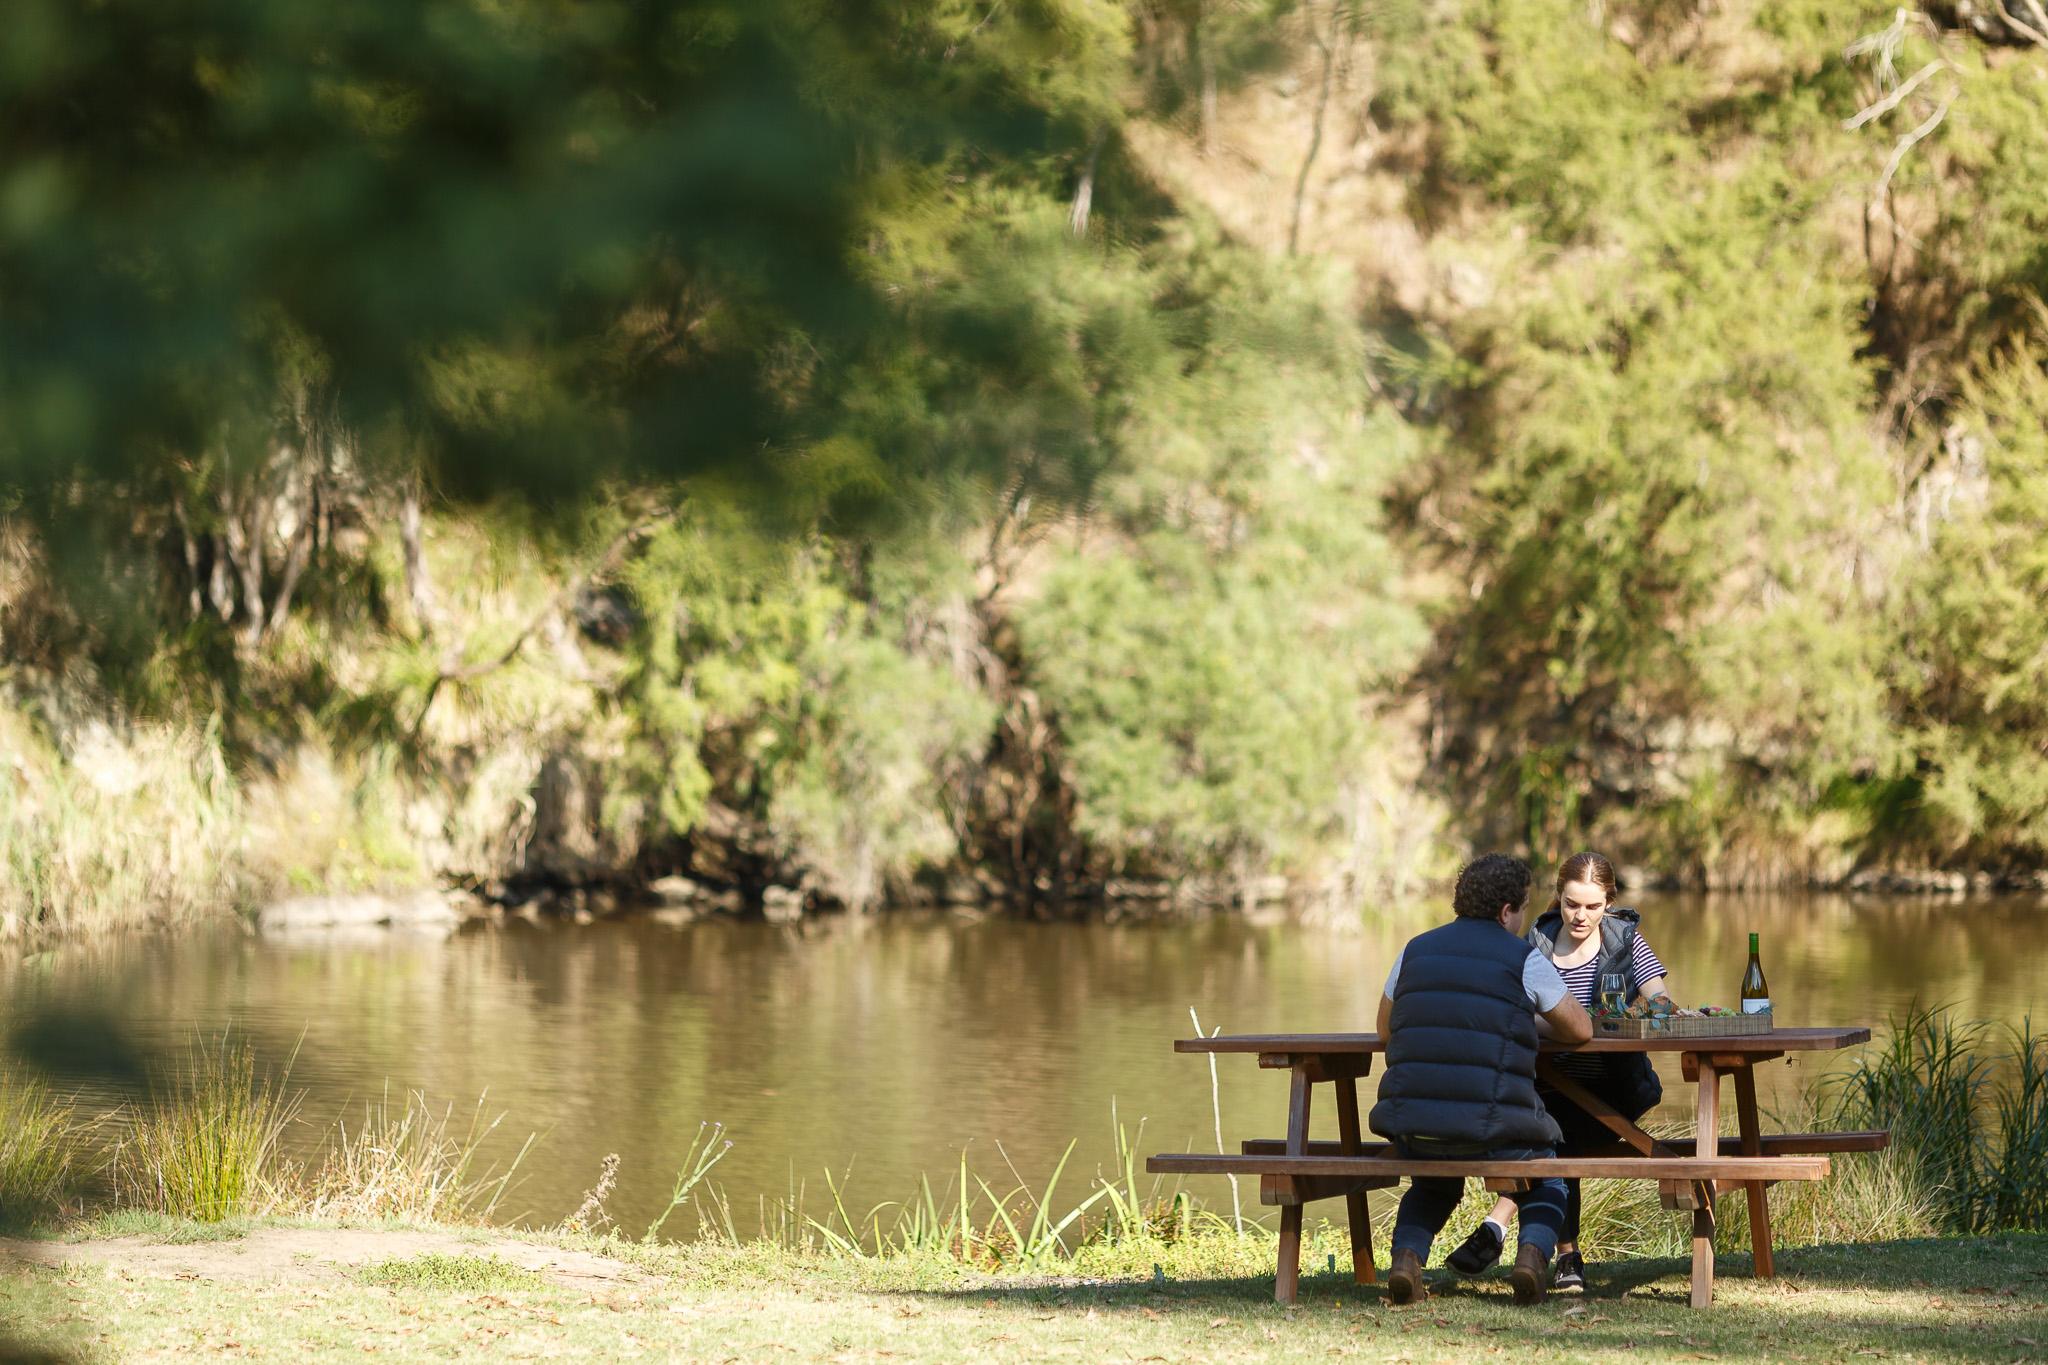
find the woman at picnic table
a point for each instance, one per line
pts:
(1587, 937)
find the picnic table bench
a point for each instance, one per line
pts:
(1294, 1171)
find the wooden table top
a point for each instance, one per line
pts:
(1350, 1044)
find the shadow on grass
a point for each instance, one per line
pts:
(1976, 1299)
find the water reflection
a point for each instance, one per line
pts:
(880, 1048)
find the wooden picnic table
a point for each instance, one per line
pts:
(1294, 1171)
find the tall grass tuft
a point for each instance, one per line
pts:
(1983, 1167)
(37, 1137)
(707, 1149)
(206, 1146)
(2014, 1187)
(408, 1162)
(1925, 1084)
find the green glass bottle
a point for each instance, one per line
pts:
(1756, 992)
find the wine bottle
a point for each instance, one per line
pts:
(1756, 993)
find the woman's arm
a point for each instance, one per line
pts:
(1653, 988)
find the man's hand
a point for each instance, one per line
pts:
(1567, 1022)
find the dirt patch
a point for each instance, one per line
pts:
(310, 1255)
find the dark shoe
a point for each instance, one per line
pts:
(1479, 1251)
(1531, 1275)
(1404, 1280)
(1571, 1271)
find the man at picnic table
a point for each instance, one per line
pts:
(1460, 1019)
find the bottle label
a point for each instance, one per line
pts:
(1757, 1006)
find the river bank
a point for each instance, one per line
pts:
(310, 1292)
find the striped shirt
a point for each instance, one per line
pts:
(1583, 981)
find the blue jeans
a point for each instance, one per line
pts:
(1427, 1204)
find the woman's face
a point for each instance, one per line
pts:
(1583, 905)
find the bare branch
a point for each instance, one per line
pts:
(1084, 193)
(1892, 101)
(2036, 31)
(419, 589)
(1905, 145)
(614, 555)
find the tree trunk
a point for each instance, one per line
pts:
(1084, 193)
(418, 589)
(1326, 43)
(1205, 61)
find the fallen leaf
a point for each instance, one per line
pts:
(1219, 1322)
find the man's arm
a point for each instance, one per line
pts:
(1558, 1015)
(1386, 1020)
(1567, 1022)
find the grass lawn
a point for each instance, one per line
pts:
(304, 1292)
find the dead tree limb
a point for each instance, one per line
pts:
(608, 562)
(1326, 43)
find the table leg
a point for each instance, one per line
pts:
(1288, 1281)
(1611, 1118)
(1707, 1143)
(1759, 1202)
(1355, 1205)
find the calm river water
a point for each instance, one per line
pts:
(879, 1049)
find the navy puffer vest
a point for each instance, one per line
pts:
(1628, 1082)
(1461, 1067)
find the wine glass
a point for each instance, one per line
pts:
(1613, 993)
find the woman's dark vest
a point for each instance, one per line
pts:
(1461, 1068)
(1630, 1083)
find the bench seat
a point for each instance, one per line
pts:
(1768, 1144)
(1364, 1166)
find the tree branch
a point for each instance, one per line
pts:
(1892, 101)
(2030, 31)
(610, 560)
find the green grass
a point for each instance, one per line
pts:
(206, 1146)
(1958, 1300)
(36, 1145)
(168, 1229)
(453, 1274)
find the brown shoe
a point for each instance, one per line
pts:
(1531, 1275)
(1404, 1280)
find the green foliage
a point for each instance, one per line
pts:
(1660, 487)
(863, 763)
(1975, 643)
(1207, 662)
(535, 245)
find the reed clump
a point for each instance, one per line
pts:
(1967, 1107)
(206, 1145)
(37, 1139)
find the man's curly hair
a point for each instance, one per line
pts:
(1487, 883)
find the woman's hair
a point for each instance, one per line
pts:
(1584, 867)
